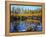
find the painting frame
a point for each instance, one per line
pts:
(7, 18)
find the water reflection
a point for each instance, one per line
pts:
(21, 25)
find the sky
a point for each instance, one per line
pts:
(25, 7)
